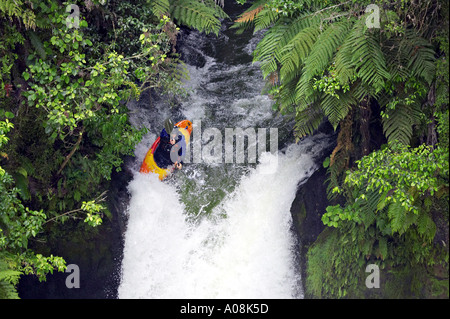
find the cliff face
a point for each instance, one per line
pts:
(310, 204)
(307, 209)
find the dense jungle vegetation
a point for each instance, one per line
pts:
(380, 76)
(66, 77)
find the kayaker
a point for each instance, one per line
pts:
(172, 147)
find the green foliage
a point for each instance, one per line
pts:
(201, 15)
(9, 37)
(320, 36)
(400, 182)
(8, 280)
(336, 265)
(322, 61)
(285, 7)
(160, 7)
(18, 10)
(63, 117)
(83, 101)
(18, 224)
(399, 118)
(329, 274)
(393, 197)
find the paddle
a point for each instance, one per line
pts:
(168, 125)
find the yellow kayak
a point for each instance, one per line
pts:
(149, 164)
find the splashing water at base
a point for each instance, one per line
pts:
(243, 249)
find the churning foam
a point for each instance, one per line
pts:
(244, 249)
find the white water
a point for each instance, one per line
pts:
(244, 249)
(216, 231)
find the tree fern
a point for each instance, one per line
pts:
(398, 121)
(426, 226)
(325, 48)
(265, 18)
(295, 26)
(266, 48)
(296, 51)
(345, 69)
(197, 15)
(410, 55)
(421, 56)
(368, 62)
(367, 57)
(15, 9)
(269, 50)
(337, 107)
(307, 120)
(8, 281)
(159, 7)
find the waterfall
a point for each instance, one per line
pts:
(242, 249)
(217, 230)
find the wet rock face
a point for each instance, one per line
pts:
(311, 199)
(307, 210)
(308, 207)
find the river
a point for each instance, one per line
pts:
(217, 229)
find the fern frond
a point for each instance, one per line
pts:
(398, 122)
(369, 207)
(269, 50)
(248, 23)
(426, 226)
(304, 92)
(325, 47)
(287, 97)
(421, 56)
(8, 280)
(266, 48)
(367, 57)
(396, 59)
(196, 15)
(248, 16)
(296, 51)
(37, 43)
(337, 107)
(308, 120)
(8, 291)
(383, 247)
(159, 7)
(265, 18)
(10, 276)
(294, 27)
(13, 9)
(345, 69)
(397, 215)
(410, 55)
